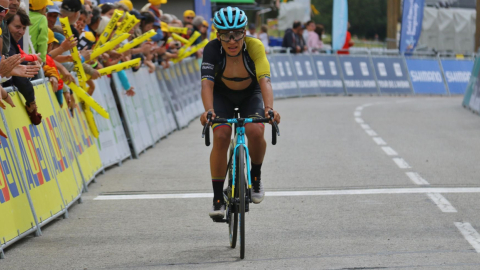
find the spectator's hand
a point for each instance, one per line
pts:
(95, 75)
(26, 71)
(86, 54)
(69, 43)
(298, 49)
(5, 96)
(146, 47)
(71, 102)
(114, 54)
(66, 76)
(130, 92)
(8, 64)
(54, 82)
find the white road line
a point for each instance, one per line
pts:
(442, 202)
(470, 234)
(298, 193)
(389, 151)
(359, 108)
(365, 126)
(379, 141)
(357, 113)
(416, 178)
(401, 163)
(371, 132)
(359, 120)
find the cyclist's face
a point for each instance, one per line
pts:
(232, 41)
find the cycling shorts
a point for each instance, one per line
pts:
(250, 104)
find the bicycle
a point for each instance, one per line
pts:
(237, 200)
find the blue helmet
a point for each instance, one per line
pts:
(229, 18)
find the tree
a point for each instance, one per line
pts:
(367, 17)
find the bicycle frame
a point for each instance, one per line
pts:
(240, 140)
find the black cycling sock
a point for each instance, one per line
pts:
(256, 171)
(217, 189)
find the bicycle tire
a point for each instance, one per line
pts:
(241, 193)
(232, 205)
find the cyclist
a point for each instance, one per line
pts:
(235, 73)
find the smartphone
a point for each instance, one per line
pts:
(84, 43)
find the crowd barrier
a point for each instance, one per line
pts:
(366, 73)
(45, 168)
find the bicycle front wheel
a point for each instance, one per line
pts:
(232, 210)
(241, 195)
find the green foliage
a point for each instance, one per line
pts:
(366, 17)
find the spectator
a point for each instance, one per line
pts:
(52, 14)
(50, 69)
(17, 25)
(188, 16)
(107, 9)
(71, 10)
(198, 26)
(204, 30)
(309, 27)
(154, 7)
(293, 38)
(314, 42)
(95, 19)
(263, 36)
(348, 42)
(251, 30)
(127, 3)
(121, 6)
(39, 28)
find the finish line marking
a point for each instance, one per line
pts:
(296, 193)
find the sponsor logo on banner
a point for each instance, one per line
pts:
(298, 67)
(10, 186)
(457, 74)
(32, 156)
(390, 76)
(333, 68)
(425, 76)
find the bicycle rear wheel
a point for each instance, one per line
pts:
(232, 211)
(241, 194)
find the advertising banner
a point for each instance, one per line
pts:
(35, 156)
(411, 25)
(358, 75)
(457, 74)
(195, 83)
(185, 95)
(392, 75)
(426, 76)
(17, 217)
(340, 24)
(328, 74)
(284, 83)
(175, 102)
(112, 142)
(471, 83)
(160, 89)
(134, 118)
(306, 77)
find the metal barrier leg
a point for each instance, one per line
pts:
(2, 255)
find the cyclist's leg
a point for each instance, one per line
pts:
(222, 133)
(253, 107)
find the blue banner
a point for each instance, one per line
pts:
(392, 75)
(358, 75)
(203, 8)
(328, 74)
(411, 24)
(426, 76)
(284, 83)
(457, 74)
(306, 78)
(340, 21)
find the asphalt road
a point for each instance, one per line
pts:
(353, 183)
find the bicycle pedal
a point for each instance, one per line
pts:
(220, 220)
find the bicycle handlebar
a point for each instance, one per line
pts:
(275, 129)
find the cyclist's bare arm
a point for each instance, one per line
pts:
(207, 98)
(267, 94)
